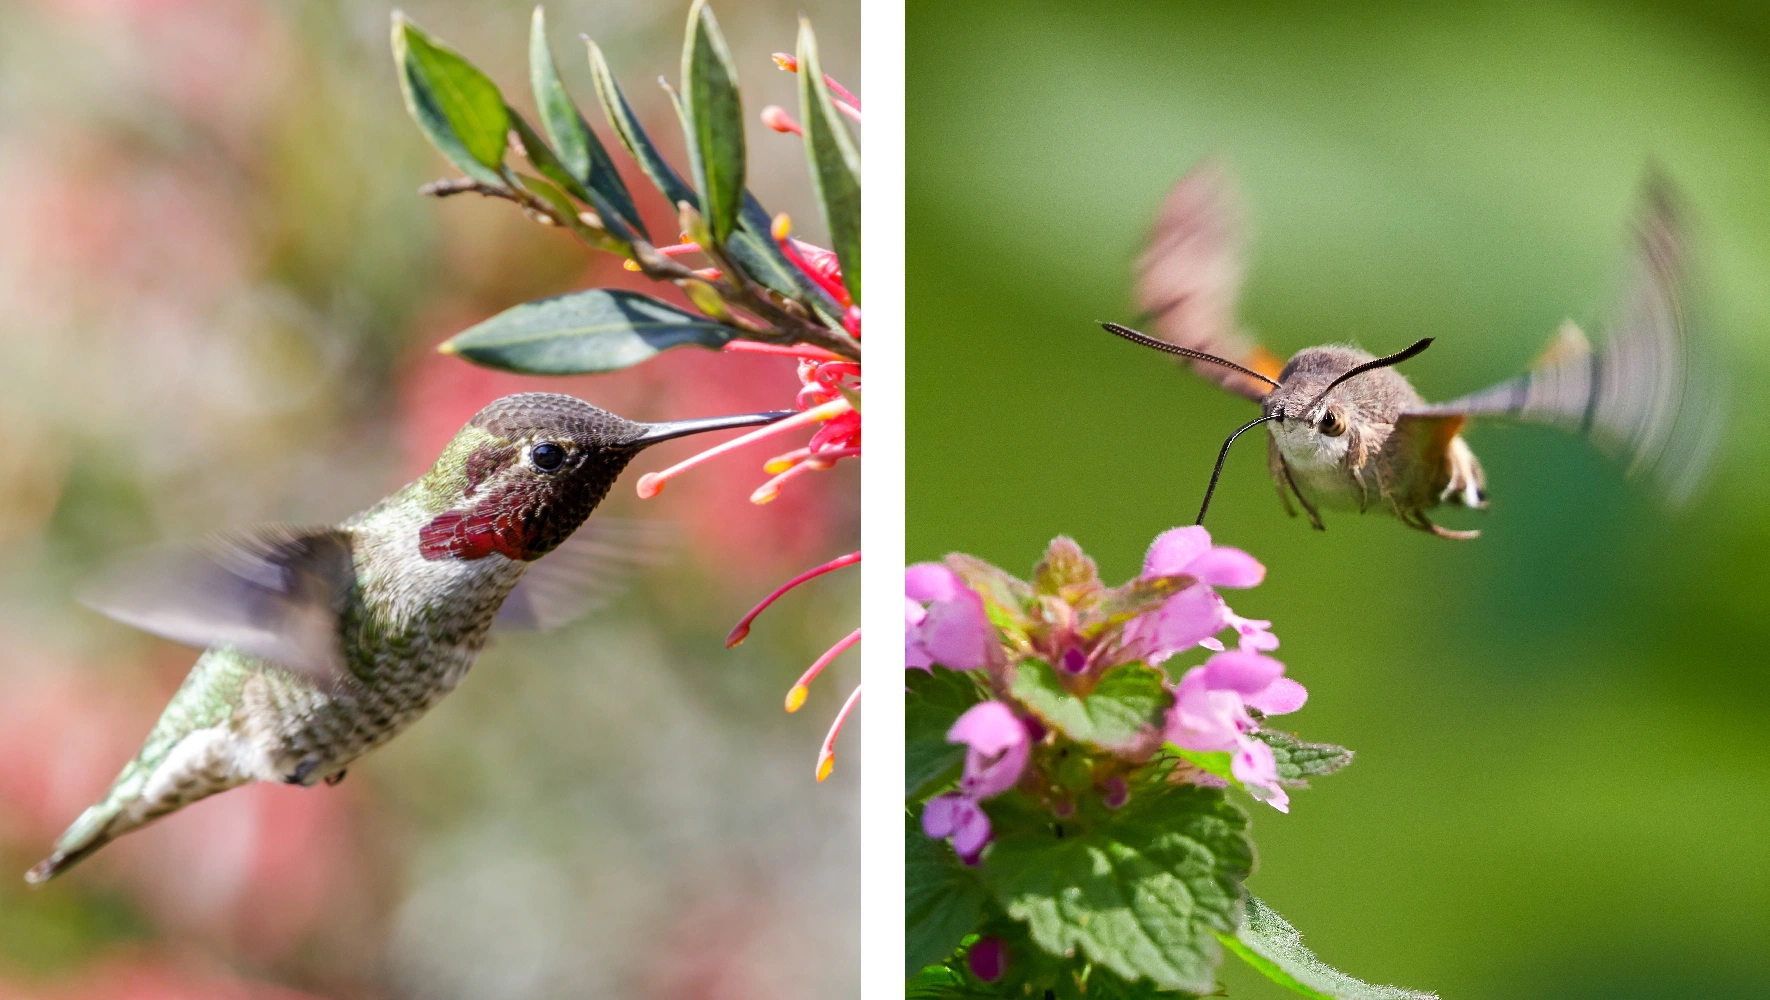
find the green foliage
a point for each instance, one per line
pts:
(1127, 701)
(943, 899)
(1270, 944)
(835, 163)
(934, 701)
(597, 330)
(1140, 894)
(757, 293)
(458, 107)
(715, 116)
(580, 152)
(1298, 760)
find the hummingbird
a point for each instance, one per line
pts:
(1347, 431)
(324, 643)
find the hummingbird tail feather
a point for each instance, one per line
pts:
(201, 764)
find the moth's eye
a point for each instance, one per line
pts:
(547, 456)
(1331, 424)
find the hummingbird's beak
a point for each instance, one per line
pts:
(682, 428)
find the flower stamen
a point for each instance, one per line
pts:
(741, 630)
(802, 687)
(826, 755)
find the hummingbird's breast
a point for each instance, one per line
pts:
(412, 629)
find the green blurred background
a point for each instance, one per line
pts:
(1561, 788)
(219, 299)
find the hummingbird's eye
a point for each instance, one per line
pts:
(547, 456)
(1331, 424)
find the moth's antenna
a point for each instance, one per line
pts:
(1394, 359)
(1218, 471)
(1186, 352)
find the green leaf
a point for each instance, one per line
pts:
(633, 135)
(835, 163)
(1270, 944)
(939, 982)
(1140, 895)
(1298, 760)
(580, 152)
(1215, 762)
(935, 700)
(458, 108)
(753, 248)
(943, 899)
(715, 121)
(1126, 700)
(615, 236)
(598, 330)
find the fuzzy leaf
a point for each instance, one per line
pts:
(1298, 760)
(1141, 895)
(715, 114)
(935, 700)
(1005, 598)
(943, 899)
(835, 163)
(1270, 944)
(598, 330)
(457, 107)
(580, 153)
(1065, 568)
(1126, 700)
(939, 982)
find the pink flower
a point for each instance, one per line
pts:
(1210, 714)
(996, 748)
(988, 958)
(960, 818)
(1254, 766)
(1195, 615)
(944, 620)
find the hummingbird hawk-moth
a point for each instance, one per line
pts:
(1346, 430)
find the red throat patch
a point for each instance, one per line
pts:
(469, 534)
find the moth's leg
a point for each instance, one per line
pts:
(1280, 477)
(1425, 524)
(1314, 516)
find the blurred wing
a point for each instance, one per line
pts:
(1189, 277)
(1646, 397)
(274, 592)
(586, 571)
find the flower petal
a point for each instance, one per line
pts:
(1202, 719)
(1254, 766)
(1281, 697)
(973, 833)
(940, 817)
(931, 582)
(1226, 567)
(1182, 622)
(913, 612)
(1174, 549)
(1243, 673)
(956, 633)
(988, 727)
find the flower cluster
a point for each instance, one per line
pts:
(828, 398)
(967, 615)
